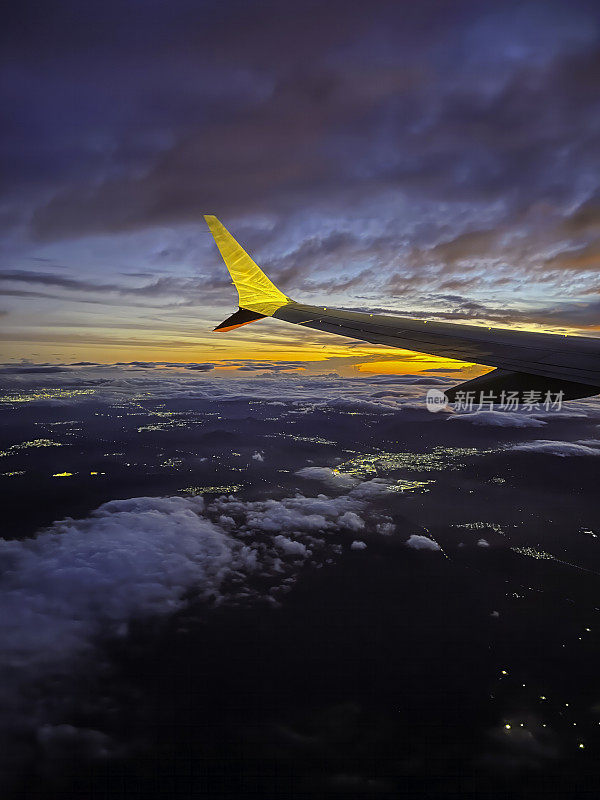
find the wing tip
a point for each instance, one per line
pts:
(256, 291)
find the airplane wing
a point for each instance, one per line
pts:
(524, 361)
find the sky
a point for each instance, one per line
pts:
(433, 159)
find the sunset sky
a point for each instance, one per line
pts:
(435, 159)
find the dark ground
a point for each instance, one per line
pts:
(383, 672)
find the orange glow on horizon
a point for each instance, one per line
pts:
(418, 366)
(281, 343)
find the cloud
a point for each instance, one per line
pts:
(351, 521)
(498, 419)
(555, 448)
(85, 364)
(330, 477)
(258, 456)
(483, 543)
(129, 558)
(33, 370)
(418, 542)
(290, 546)
(582, 257)
(185, 290)
(358, 545)
(69, 742)
(586, 217)
(55, 280)
(514, 747)
(412, 380)
(269, 366)
(200, 367)
(82, 581)
(298, 514)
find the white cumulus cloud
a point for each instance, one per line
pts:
(418, 542)
(128, 558)
(290, 546)
(556, 448)
(82, 580)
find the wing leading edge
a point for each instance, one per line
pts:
(524, 361)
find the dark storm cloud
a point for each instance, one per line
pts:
(201, 367)
(241, 366)
(85, 364)
(145, 364)
(237, 365)
(270, 366)
(32, 370)
(54, 280)
(266, 105)
(166, 286)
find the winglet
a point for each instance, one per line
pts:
(256, 292)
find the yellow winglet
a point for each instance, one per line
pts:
(256, 292)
